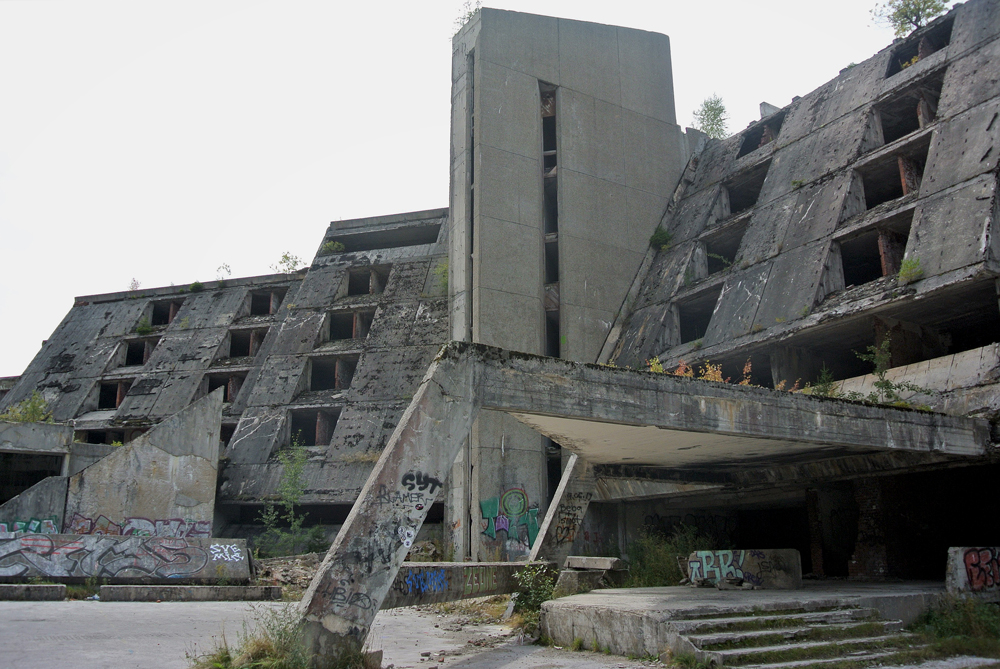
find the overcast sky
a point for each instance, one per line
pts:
(157, 140)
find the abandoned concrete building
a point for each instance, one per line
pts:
(864, 211)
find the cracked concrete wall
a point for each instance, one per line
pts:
(819, 207)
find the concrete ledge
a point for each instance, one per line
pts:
(31, 592)
(189, 593)
(588, 562)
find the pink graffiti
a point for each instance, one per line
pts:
(140, 527)
(982, 568)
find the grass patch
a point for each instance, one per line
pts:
(273, 642)
(482, 610)
(820, 633)
(653, 557)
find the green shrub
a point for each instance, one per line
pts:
(284, 533)
(910, 271)
(330, 247)
(953, 616)
(660, 239)
(653, 556)
(143, 328)
(196, 287)
(31, 410)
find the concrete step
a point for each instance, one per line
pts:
(862, 659)
(810, 650)
(771, 620)
(189, 593)
(815, 632)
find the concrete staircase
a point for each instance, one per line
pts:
(792, 639)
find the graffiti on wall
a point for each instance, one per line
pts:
(121, 558)
(717, 565)
(982, 568)
(569, 516)
(140, 527)
(773, 568)
(510, 513)
(32, 525)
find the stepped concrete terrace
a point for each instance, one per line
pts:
(648, 621)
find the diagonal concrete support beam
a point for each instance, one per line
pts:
(361, 565)
(566, 512)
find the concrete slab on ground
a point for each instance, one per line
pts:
(190, 593)
(635, 618)
(32, 592)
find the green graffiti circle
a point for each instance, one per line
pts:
(514, 502)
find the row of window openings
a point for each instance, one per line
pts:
(259, 303)
(863, 258)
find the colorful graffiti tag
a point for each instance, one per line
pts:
(140, 527)
(769, 568)
(136, 559)
(509, 513)
(982, 568)
(32, 526)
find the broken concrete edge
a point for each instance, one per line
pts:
(32, 592)
(189, 593)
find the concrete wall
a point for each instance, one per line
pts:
(73, 558)
(974, 571)
(35, 438)
(39, 509)
(161, 484)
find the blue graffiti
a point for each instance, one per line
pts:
(427, 580)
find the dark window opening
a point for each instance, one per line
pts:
(552, 339)
(239, 343)
(105, 437)
(226, 433)
(910, 111)
(875, 253)
(549, 133)
(332, 373)
(341, 326)
(695, 314)
(367, 281)
(919, 47)
(313, 428)
(135, 353)
(895, 176)
(231, 384)
(550, 205)
(744, 190)
(266, 302)
(112, 394)
(551, 262)
(260, 304)
(721, 248)
(164, 312)
(761, 133)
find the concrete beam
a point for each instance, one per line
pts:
(358, 571)
(431, 582)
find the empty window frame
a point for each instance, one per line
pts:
(695, 313)
(908, 111)
(721, 247)
(347, 325)
(366, 281)
(551, 262)
(313, 427)
(332, 373)
(226, 433)
(266, 302)
(553, 341)
(163, 313)
(744, 189)
(877, 252)
(230, 383)
(246, 343)
(919, 47)
(894, 176)
(111, 393)
(761, 133)
(137, 352)
(100, 436)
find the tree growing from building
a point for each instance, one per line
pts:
(711, 117)
(905, 16)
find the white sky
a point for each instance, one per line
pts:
(160, 139)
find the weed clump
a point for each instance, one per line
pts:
(653, 556)
(956, 625)
(284, 533)
(31, 410)
(661, 239)
(535, 585)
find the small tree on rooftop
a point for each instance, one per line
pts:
(711, 117)
(905, 16)
(31, 410)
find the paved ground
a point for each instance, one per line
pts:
(123, 635)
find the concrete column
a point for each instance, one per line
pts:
(361, 565)
(870, 559)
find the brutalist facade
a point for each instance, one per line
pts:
(865, 210)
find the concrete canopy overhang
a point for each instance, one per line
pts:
(711, 432)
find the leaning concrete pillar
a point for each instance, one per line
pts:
(361, 565)
(566, 512)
